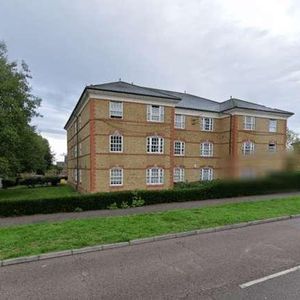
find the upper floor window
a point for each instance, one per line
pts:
(155, 113)
(272, 147)
(116, 143)
(249, 123)
(179, 148)
(155, 144)
(207, 174)
(116, 176)
(75, 127)
(207, 124)
(179, 121)
(116, 109)
(272, 125)
(178, 174)
(154, 176)
(80, 176)
(79, 122)
(80, 148)
(248, 148)
(75, 151)
(206, 149)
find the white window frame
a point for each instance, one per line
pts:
(206, 149)
(273, 147)
(80, 175)
(116, 176)
(75, 151)
(116, 143)
(153, 115)
(155, 176)
(153, 142)
(178, 174)
(248, 148)
(116, 109)
(79, 122)
(179, 148)
(75, 127)
(249, 123)
(206, 174)
(80, 148)
(207, 124)
(75, 174)
(179, 121)
(272, 125)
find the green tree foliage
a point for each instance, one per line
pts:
(291, 138)
(21, 148)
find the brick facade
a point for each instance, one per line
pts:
(94, 160)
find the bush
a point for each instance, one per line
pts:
(6, 183)
(41, 180)
(217, 189)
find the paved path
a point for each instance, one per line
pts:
(137, 210)
(209, 266)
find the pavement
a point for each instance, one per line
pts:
(208, 266)
(9, 221)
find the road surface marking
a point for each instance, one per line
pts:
(250, 283)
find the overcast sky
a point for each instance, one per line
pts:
(212, 48)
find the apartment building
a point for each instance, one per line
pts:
(122, 136)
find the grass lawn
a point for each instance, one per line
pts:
(25, 193)
(46, 237)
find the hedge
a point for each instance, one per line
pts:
(217, 189)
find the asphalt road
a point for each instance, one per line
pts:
(209, 266)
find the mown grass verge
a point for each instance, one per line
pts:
(46, 237)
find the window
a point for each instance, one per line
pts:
(116, 143)
(79, 122)
(206, 174)
(80, 149)
(248, 148)
(206, 149)
(272, 125)
(155, 113)
(116, 109)
(178, 174)
(80, 176)
(179, 121)
(249, 123)
(155, 144)
(75, 127)
(179, 148)
(272, 147)
(116, 176)
(75, 151)
(207, 124)
(75, 175)
(155, 176)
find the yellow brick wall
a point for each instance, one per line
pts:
(134, 160)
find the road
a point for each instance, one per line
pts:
(209, 266)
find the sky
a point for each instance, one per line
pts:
(212, 48)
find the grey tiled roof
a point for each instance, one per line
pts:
(184, 100)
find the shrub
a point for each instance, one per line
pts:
(6, 183)
(217, 189)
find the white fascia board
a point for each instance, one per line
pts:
(198, 113)
(257, 113)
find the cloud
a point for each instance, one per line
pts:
(247, 49)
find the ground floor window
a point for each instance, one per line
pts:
(116, 176)
(206, 174)
(155, 176)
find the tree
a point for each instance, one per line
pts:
(291, 138)
(21, 148)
